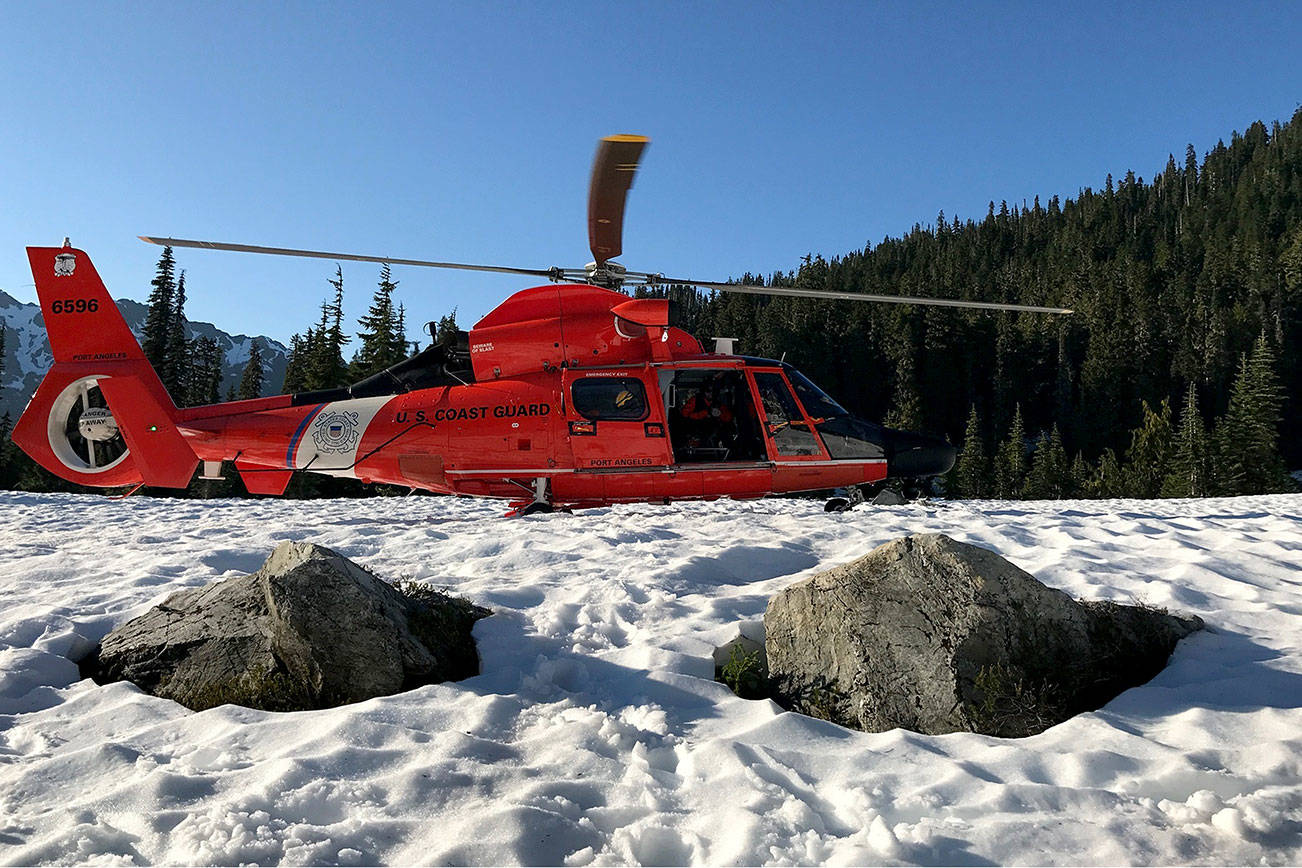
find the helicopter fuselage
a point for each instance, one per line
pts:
(564, 395)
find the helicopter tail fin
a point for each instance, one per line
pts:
(101, 416)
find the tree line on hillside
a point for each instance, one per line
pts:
(1187, 293)
(1173, 378)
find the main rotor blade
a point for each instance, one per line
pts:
(858, 296)
(351, 257)
(612, 176)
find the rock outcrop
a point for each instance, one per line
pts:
(310, 629)
(936, 636)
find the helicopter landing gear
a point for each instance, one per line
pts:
(843, 499)
(540, 505)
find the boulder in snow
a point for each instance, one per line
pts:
(310, 629)
(936, 636)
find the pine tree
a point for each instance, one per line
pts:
(296, 366)
(445, 333)
(1080, 476)
(906, 412)
(337, 371)
(1247, 436)
(158, 323)
(251, 381)
(1049, 477)
(971, 475)
(1190, 474)
(1107, 481)
(176, 365)
(401, 349)
(379, 334)
(1010, 462)
(205, 373)
(1148, 461)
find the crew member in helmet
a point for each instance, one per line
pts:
(707, 405)
(710, 416)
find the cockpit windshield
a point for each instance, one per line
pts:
(817, 402)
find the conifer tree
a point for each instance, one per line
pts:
(971, 475)
(1247, 436)
(1190, 474)
(1108, 480)
(906, 412)
(445, 333)
(158, 323)
(1080, 476)
(175, 373)
(1010, 462)
(251, 381)
(1148, 461)
(1049, 477)
(296, 366)
(337, 369)
(205, 372)
(401, 349)
(379, 333)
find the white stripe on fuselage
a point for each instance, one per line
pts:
(331, 442)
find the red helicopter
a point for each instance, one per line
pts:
(567, 395)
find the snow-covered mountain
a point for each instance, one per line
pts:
(27, 351)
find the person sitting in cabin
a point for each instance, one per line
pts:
(709, 416)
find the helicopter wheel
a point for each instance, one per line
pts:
(538, 507)
(844, 499)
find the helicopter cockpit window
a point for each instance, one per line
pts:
(610, 399)
(818, 404)
(786, 424)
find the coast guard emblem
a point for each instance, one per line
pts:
(65, 264)
(336, 432)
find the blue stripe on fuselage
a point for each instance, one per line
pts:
(298, 435)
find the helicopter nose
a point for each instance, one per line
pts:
(915, 455)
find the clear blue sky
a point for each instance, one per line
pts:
(465, 131)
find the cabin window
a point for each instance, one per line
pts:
(610, 399)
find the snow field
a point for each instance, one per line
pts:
(595, 733)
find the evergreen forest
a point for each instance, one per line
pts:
(1179, 374)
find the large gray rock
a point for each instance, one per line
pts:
(936, 636)
(310, 629)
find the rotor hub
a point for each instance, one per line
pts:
(609, 274)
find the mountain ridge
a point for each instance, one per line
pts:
(27, 350)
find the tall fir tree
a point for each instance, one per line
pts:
(1247, 436)
(1010, 462)
(175, 372)
(1148, 460)
(445, 332)
(379, 335)
(251, 381)
(1050, 476)
(337, 369)
(971, 475)
(158, 322)
(205, 379)
(1191, 471)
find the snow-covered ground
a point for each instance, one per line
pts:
(596, 735)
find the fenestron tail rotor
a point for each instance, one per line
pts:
(613, 171)
(83, 434)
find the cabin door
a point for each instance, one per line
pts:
(616, 429)
(800, 461)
